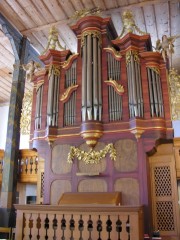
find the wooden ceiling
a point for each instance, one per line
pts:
(34, 18)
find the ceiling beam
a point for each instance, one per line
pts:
(113, 10)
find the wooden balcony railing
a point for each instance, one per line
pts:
(27, 165)
(76, 222)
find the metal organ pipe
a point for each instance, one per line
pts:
(84, 81)
(53, 95)
(115, 101)
(70, 105)
(91, 77)
(155, 92)
(134, 85)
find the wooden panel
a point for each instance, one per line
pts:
(164, 191)
(58, 187)
(92, 185)
(126, 160)
(59, 159)
(177, 156)
(91, 198)
(129, 189)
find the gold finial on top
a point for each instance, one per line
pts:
(129, 25)
(53, 40)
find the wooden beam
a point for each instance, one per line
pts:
(108, 12)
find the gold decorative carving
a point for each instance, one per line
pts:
(155, 69)
(132, 53)
(85, 12)
(94, 33)
(117, 87)
(92, 156)
(26, 113)
(174, 85)
(53, 40)
(112, 50)
(137, 132)
(54, 69)
(66, 95)
(70, 59)
(30, 69)
(166, 47)
(39, 84)
(129, 25)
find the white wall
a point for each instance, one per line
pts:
(4, 111)
(24, 139)
(176, 126)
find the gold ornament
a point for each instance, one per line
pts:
(132, 53)
(94, 33)
(66, 95)
(113, 51)
(25, 121)
(129, 25)
(117, 87)
(174, 85)
(85, 12)
(91, 157)
(55, 69)
(53, 40)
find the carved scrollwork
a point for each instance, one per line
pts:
(174, 84)
(91, 157)
(26, 113)
(55, 69)
(117, 87)
(132, 53)
(66, 95)
(67, 63)
(114, 52)
(155, 69)
(94, 33)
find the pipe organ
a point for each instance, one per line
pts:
(107, 103)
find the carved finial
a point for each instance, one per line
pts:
(129, 25)
(53, 40)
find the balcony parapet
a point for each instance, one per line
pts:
(77, 222)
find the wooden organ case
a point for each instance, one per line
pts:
(112, 91)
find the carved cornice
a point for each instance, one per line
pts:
(114, 52)
(66, 95)
(68, 62)
(117, 87)
(94, 33)
(91, 157)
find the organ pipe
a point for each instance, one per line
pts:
(114, 100)
(155, 92)
(134, 85)
(91, 76)
(70, 105)
(39, 94)
(53, 96)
